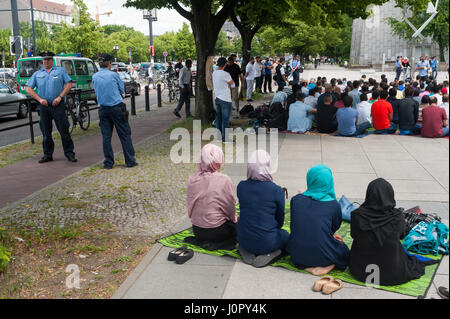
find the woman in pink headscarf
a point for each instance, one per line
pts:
(211, 203)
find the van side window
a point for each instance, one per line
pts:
(91, 67)
(81, 67)
(68, 66)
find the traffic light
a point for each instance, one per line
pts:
(16, 42)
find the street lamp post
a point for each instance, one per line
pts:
(150, 15)
(115, 48)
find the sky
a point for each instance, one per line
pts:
(168, 20)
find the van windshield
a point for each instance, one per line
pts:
(28, 67)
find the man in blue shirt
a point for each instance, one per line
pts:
(423, 68)
(398, 67)
(112, 112)
(347, 119)
(295, 67)
(52, 83)
(268, 75)
(434, 67)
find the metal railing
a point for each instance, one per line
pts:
(30, 102)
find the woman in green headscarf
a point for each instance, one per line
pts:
(315, 217)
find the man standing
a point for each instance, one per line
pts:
(184, 81)
(434, 67)
(53, 83)
(236, 75)
(398, 68)
(268, 75)
(423, 68)
(222, 83)
(178, 67)
(109, 87)
(258, 74)
(250, 78)
(295, 67)
(280, 73)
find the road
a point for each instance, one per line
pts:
(23, 133)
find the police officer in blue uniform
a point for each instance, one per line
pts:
(53, 83)
(109, 88)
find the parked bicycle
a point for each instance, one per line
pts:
(77, 111)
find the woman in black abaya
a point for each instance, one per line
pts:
(376, 228)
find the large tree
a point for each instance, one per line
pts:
(207, 18)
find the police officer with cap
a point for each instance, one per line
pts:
(109, 88)
(52, 83)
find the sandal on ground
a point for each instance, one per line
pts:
(184, 256)
(175, 253)
(318, 285)
(333, 286)
(443, 292)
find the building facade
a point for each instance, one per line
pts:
(372, 39)
(49, 12)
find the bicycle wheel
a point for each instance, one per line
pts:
(84, 117)
(177, 94)
(70, 116)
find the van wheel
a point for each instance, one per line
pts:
(23, 111)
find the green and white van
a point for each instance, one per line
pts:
(78, 68)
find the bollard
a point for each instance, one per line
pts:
(159, 95)
(30, 119)
(147, 98)
(133, 102)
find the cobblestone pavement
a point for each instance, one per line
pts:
(144, 200)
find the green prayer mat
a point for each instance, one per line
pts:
(417, 287)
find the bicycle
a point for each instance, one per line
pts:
(174, 90)
(162, 80)
(77, 111)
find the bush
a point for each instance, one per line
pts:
(4, 255)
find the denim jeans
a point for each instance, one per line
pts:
(223, 113)
(296, 76)
(445, 131)
(57, 114)
(398, 72)
(414, 131)
(390, 130)
(110, 117)
(185, 98)
(361, 128)
(250, 84)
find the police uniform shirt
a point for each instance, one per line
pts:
(108, 87)
(49, 84)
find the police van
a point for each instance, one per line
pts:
(79, 69)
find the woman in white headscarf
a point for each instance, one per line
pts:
(262, 206)
(211, 203)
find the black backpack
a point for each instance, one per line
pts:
(246, 109)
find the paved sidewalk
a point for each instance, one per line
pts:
(417, 168)
(19, 180)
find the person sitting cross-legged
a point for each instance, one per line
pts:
(211, 203)
(383, 115)
(408, 114)
(434, 120)
(326, 116)
(262, 203)
(347, 119)
(315, 217)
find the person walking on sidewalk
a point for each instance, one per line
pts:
(112, 112)
(53, 83)
(185, 87)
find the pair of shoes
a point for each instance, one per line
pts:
(327, 285)
(72, 159)
(180, 255)
(45, 160)
(177, 114)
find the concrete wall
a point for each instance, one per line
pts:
(373, 37)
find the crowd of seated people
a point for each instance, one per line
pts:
(381, 107)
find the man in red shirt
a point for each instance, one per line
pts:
(382, 115)
(434, 120)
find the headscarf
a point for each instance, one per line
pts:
(211, 158)
(320, 184)
(258, 167)
(378, 213)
